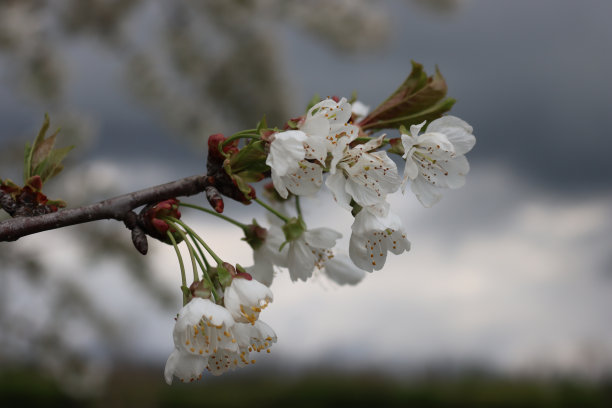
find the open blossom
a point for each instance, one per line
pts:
(286, 149)
(305, 178)
(373, 235)
(290, 172)
(202, 328)
(297, 157)
(250, 338)
(310, 250)
(207, 338)
(435, 159)
(325, 124)
(364, 176)
(245, 299)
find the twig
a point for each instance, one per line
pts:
(113, 208)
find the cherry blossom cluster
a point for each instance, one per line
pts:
(335, 145)
(217, 338)
(360, 177)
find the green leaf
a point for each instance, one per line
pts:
(251, 157)
(428, 114)
(315, 99)
(418, 98)
(29, 149)
(262, 125)
(41, 158)
(51, 165)
(27, 161)
(42, 150)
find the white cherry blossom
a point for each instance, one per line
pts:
(202, 328)
(286, 149)
(290, 172)
(310, 250)
(245, 299)
(435, 160)
(207, 338)
(250, 338)
(373, 235)
(364, 176)
(305, 178)
(326, 124)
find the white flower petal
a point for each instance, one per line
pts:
(301, 260)
(305, 179)
(336, 183)
(343, 271)
(286, 150)
(427, 194)
(359, 109)
(324, 238)
(245, 299)
(459, 133)
(186, 367)
(203, 327)
(411, 171)
(371, 178)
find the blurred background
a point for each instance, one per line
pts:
(506, 296)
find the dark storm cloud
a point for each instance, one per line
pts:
(533, 78)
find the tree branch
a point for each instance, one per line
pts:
(112, 208)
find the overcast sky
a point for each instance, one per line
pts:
(513, 270)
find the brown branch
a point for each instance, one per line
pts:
(114, 208)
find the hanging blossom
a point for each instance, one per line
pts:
(301, 255)
(365, 176)
(206, 337)
(310, 250)
(245, 298)
(435, 160)
(373, 235)
(250, 338)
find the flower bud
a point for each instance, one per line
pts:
(254, 235)
(151, 220)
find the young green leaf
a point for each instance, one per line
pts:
(418, 98)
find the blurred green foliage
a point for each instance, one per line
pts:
(138, 388)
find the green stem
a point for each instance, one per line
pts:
(244, 134)
(367, 139)
(216, 214)
(180, 258)
(272, 210)
(191, 252)
(196, 236)
(204, 268)
(199, 248)
(194, 257)
(298, 207)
